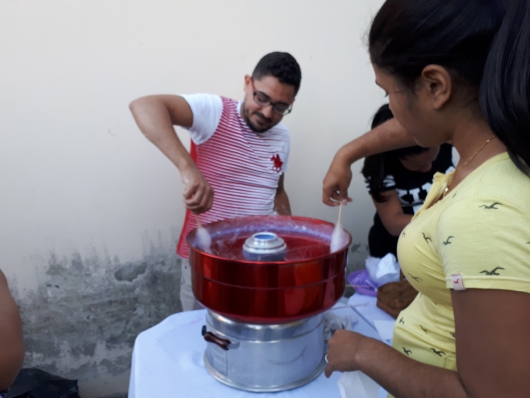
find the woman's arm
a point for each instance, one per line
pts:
(385, 137)
(492, 344)
(11, 342)
(399, 375)
(391, 213)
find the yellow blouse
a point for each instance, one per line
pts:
(477, 237)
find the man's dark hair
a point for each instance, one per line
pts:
(282, 66)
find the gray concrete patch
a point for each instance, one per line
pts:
(83, 321)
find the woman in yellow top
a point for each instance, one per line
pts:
(456, 70)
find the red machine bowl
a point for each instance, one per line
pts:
(308, 281)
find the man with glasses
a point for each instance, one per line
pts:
(239, 150)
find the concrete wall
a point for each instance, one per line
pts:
(90, 210)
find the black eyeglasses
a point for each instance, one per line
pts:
(263, 100)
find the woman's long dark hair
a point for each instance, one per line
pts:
(485, 46)
(377, 167)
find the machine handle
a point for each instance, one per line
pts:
(223, 343)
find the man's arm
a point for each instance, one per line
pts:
(281, 200)
(155, 116)
(11, 342)
(386, 137)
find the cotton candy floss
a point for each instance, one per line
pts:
(339, 237)
(204, 240)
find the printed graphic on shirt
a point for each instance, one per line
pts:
(492, 272)
(277, 163)
(412, 187)
(415, 196)
(439, 353)
(492, 206)
(448, 241)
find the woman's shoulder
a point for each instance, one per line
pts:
(498, 180)
(501, 177)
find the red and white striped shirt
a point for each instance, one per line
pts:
(243, 167)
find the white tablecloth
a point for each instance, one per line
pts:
(168, 360)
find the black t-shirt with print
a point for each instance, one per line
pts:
(412, 188)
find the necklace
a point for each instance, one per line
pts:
(446, 190)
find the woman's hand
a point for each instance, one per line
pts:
(336, 182)
(385, 137)
(342, 351)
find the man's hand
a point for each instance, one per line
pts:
(342, 350)
(198, 193)
(336, 182)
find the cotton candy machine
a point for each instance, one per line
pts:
(266, 282)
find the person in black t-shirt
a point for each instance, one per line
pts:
(398, 182)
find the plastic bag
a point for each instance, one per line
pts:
(35, 383)
(383, 270)
(357, 385)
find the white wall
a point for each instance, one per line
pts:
(76, 174)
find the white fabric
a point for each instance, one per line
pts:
(187, 298)
(334, 322)
(168, 361)
(357, 385)
(385, 329)
(369, 313)
(207, 110)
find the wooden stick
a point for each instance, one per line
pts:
(340, 214)
(357, 286)
(349, 306)
(198, 222)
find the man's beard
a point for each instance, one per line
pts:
(252, 126)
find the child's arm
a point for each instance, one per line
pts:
(391, 213)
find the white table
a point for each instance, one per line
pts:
(168, 360)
